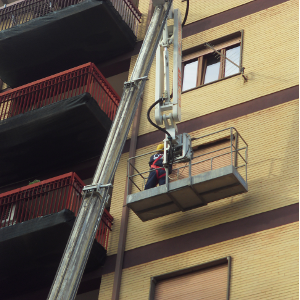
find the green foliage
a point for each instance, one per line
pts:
(34, 181)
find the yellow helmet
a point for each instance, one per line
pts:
(160, 147)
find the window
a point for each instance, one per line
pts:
(204, 65)
(209, 281)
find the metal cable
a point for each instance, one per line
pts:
(186, 12)
(170, 156)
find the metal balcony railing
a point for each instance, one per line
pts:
(73, 82)
(212, 151)
(129, 13)
(48, 197)
(24, 11)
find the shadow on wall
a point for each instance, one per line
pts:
(117, 82)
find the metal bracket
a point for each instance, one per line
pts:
(203, 202)
(174, 201)
(96, 187)
(245, 77)
(132, 83)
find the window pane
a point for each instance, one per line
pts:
(234, 55)
(190, 75)
(212, 69)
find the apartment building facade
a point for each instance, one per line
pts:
(56, 111)
(238, 240)
(243, 246)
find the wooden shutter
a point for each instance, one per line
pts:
(205, 284)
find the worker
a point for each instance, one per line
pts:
(157, 172)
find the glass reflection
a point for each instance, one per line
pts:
(190, 75)
(212, 69)
(234, 55)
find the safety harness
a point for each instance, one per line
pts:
(154, 166)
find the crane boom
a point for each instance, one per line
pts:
(95, 196)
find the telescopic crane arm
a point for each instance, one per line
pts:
(95, 196)
(177, 148)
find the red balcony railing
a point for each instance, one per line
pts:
(24, 11)
(73, 82)
(48, 197)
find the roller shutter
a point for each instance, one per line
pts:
(205, 284)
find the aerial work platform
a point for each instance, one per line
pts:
(218, 170)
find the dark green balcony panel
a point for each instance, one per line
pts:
(31, 252)
(91, 31)
(51, 138)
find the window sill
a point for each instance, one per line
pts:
(197, 87)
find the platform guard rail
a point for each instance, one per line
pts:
(48, 197)
(212, 151)
(64, 85)
(24, 11)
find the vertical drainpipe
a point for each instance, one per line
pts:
(125, 210)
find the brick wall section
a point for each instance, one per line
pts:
(260, 260)
(264, 266)
(117, 203)
(143, 8)
(4, 86)
(198, 10)
(269, 151)
(270, 58)
(205, 8)
(272, 136)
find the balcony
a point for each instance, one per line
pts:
(53, 123)
(218, 170)
(44, 37)
(36, 221)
